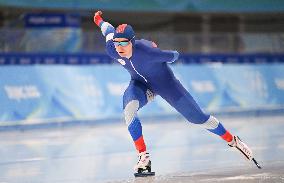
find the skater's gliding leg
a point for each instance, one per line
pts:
(135, 98)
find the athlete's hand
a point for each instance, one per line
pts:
(98, 18)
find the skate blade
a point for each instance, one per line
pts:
(256, 163)
(144, 174)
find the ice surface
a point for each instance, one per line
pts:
(180, 152)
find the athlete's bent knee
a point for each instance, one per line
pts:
(130, 111)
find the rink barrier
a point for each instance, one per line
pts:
(101, 58)
(42, 94)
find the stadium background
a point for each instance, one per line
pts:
(55, 73)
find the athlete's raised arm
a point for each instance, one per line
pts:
(106, 28)
(108, 31)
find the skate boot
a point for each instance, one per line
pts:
(143, 166)
(243, 148)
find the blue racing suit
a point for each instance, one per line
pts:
(150, 76)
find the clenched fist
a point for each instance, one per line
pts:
(98, 18)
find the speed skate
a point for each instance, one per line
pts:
(244, 149)
(143, 166)
(144, 172)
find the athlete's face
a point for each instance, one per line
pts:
(123, 47)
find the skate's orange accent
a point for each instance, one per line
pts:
(227, 136)
(140, 144)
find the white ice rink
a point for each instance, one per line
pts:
(180, 152)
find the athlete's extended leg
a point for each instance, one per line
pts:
(187, 106)
(178, 97)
